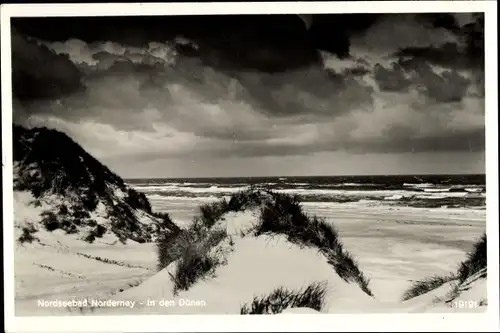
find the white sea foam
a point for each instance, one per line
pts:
(171, 192)
(437, 190)
(473, 190)
(177, 188)
(419, 185)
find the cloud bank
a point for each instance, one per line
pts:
(415, 89)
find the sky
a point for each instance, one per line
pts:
(261, 95)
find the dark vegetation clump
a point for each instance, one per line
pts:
(27, 234)
(166, 222)
(80, 212)
(69, 226)
(63, 209)
(99, 231)
(281, 299)
(94, 233)
(138, 200)
(71, 223)
(89, 238)
(50, 221)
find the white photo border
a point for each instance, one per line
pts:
(488, 321)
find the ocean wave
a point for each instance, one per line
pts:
(175, 188)
(158, 197)
(474, 190)
(400, 198)
(315, 188)
(395, 200)
(370, 192)
(437, 189)
(418, 185)
(215, 189)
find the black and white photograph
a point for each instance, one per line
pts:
(249, 164)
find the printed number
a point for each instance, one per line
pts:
(465, 304)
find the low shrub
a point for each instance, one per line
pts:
(89, 237)
(49, 221)
(27, 234)
(68, 226)
(99, 231)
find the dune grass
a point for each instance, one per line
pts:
(281, 298)
(197, 260)
(210, 213)
(166, 222)
(280, 214)
(284, 215)
(426, 285)
(476, 261)
(191, 248)
(173, 245)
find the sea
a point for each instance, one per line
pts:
(181, 198)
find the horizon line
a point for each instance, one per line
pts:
(312, 176)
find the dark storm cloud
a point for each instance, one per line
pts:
(448, 55)
(39, 73)
(271, 43)
(394, 142)
(470, 141)
(258, 86)
(447, 86)
(468, 53)
(308, 91)
(391, 79)
(117, 83)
